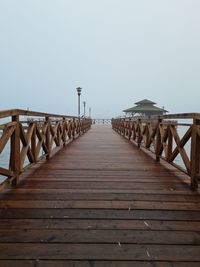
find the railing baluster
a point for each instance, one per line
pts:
(138, 130)
(73, 128)
(64, 137)
(158, 141)
(33, 144)
(15, 151)
(169, 144)
(47, 138)
(195, 155)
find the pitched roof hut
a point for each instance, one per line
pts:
(145, 107)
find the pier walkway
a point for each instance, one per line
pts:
(100, 201)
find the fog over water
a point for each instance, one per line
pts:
(118, 51)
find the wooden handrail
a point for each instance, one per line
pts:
(160, 135)
(22, 112)
(30, 139)
(169, 116)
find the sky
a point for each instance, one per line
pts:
(118, 51)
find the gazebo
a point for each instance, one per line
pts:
(145, 107)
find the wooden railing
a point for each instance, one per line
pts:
(169, 138)
(27, 136)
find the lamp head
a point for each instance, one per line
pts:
(79, 90)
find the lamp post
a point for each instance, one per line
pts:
(90, 112)
(78, 89)
(84, 105)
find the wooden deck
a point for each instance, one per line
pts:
(100, 202)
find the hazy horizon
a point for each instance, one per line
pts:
(118, 51)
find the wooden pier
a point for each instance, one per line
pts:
(100, 201)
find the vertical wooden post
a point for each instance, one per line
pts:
(69, 131)
(139, 137)
(74, 127)
(84, 125)
(121, 127)
(158, 141)
(15, 151)
(64, 132)
(195, 155)
(124, 127)
(33, 143)
(147, 135)
(48, 138)
(170, 143)
(80, 126)
(130, 130)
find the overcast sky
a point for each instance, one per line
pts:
(118, 51)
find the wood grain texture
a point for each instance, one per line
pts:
(100, 202)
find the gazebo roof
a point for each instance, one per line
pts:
(144, 106)
(145, 101)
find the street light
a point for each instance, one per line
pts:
(79, 94)
(90, 112)
(84, 105)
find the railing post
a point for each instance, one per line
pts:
(139, 133)
(74, 127)
(170, 144)
(158, 141)
(129, 130)
(69, 128)
(64, 132)
(147, 135)
(82, 126)
(195, 155)
(124, 127)
(33, 143)
(15, 151)
(47, 121)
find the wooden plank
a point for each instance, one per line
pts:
(100, 224)
(100, 252)
(100, 214)
(99, 236)
(93, 263)
(104, 185)
(169, 192)
(99, 204)
(30, 195)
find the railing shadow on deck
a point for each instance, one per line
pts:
(168, 138)
(28, 136)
